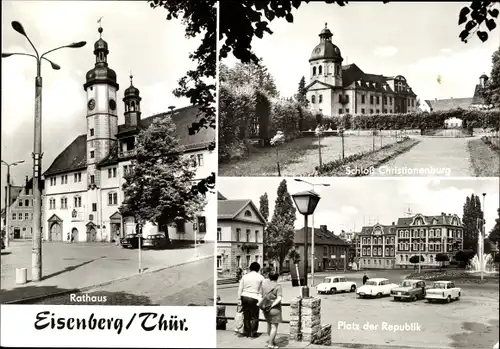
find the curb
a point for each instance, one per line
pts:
(75, 290)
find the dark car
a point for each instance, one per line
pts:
(155, 241)
(409, 290)
(130, 241)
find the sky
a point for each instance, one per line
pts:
(140, 41)
(417, 40)
(348, 204)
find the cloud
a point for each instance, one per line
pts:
(385, 51)
(446, 50)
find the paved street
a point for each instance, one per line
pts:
(471, 322)
(74, 266)
(187, 284)
(434, 152)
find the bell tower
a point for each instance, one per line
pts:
(102, 116)
(132, 102)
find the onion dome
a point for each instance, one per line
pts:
(131, 91)
(326, 49)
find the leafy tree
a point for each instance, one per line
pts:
(264, 206)
(255, 75)
(294, 256)
(414, 259)
(280, 231)
(474, 16)
(301, 95)
(464, 256)
(160, 188)
(443, 258)
(472, 213)
(491, 92)
(493, 236)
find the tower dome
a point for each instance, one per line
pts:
(101, 73)
(131, 91)
(326, 49)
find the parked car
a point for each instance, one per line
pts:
(443, 291)
(155, 241)
(410, 290)
(130, 241)
(334, 284)
(376, 287)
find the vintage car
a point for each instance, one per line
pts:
(409, 290)
(443, 291)
(155, 241)
(376, 287)
(130, 241)
(334, 284)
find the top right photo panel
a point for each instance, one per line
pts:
(359, 89)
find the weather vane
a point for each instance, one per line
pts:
(100, 26)
(131, 77)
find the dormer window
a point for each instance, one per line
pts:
(248, 213)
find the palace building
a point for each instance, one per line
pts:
(83, 185)
(376, 246)
(335, 89)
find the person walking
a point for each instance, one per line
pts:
(365, 278)
(249, 295)
(272, 295)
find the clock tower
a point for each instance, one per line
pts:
(102, 115)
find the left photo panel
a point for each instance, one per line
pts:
(108, 165)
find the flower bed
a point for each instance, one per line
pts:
(364, 161)
(453, 275)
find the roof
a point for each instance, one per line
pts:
(386, 229)
(74, 157)
(220, 196)
(443, 219)
(229, 209)
(449, 104)
(321, 237)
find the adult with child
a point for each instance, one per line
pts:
(249, 295)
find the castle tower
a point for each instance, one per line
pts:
(132, 102)
(326, 60)
(102, 116)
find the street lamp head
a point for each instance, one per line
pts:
(484, 194)
(18, 27)
(306, 201)
(55, 66)
(5, 55)
(77, 44)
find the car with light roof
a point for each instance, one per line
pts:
(410, 290)
(334, 284)
(376, 288)
(443, 291)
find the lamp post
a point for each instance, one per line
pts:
(482, 233)
(313, 259)
(36, 252)
(306, 203)
(7, 201)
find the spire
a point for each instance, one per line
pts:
(100, 30)
(131, 78)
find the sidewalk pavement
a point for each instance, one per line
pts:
(97, 264)
(229, 339)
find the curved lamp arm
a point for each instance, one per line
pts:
(54, 66)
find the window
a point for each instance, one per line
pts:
(78, 177)
(192, 158)
(114, 172)
(200, 159)
(371, 99)
(26, 216)
(219, 234)
(347, 111)
(364, 252)
(180, 225)
(362, 98)
(202, 224)
(92, 154)
(20, 203)
(112, 199)
(238, 234)
(337, 69)
(256, 236)
(20, 216)
(219, 262)
(238, 261)
(26, 202)
(320, 99)
(390, 111)
(248, 235)
(340, 98)
(77, 201)
(248, 213)
(412, 102)
(384, 100)
(94, 207)
(378, 111)
(92, 179)
(14, 216)
(52, 204)
(385, 111)
(371, 111)
(320, 70)
(52, 180)
(314, 72)
(341, 111)
(91, 132)
(362, 110)
(248, 261)
(313, 99)
(109, 173)
(390, 100)
(378, 99)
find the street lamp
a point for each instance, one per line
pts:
(306, 203)
(7, 200)
(36, 252)
(313, 260)
(481, 240)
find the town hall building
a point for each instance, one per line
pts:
(83, 185)
(335, 89)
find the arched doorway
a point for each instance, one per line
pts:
(91, 233)
(74, 235)
(56, 232)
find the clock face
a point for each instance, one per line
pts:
(112, 104)
(91, 104)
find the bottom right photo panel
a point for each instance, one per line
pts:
(357, 263)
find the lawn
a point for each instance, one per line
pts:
(485, 161)
(300, 156)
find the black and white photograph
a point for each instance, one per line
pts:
(109, 182)
(359, 89)
(368, 263)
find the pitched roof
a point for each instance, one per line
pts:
(442, 219)
(350, 74)
(321, 237)
(74, 157)
(449, 104)
(386, 229)
(229, 209)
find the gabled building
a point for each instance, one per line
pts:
(377, 246)
(240, 234)
(84, 182)
(335, 89)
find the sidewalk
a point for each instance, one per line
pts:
(69, 267)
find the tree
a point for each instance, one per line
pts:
(472, 213)
(280, 232)
(491, 91)
(463, 257)
(301, 95)
(255, 75)
(415, 259)
(493, 236)
(480, 12)
(443, 258)
(160, 188)
(264, 206)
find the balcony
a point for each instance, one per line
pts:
(249, 246)
(127, 154)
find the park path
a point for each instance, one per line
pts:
(443, 157)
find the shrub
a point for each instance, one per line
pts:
(441, 257)
(414, 259)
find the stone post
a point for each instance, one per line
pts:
(305, 322)
(295, 323)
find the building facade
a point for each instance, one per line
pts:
(377, 247)
(330, 251)
(240, 235)
(428, 236)
(84, 183)
(335, 89)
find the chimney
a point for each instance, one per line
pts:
(26, 189)
(323, 228)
